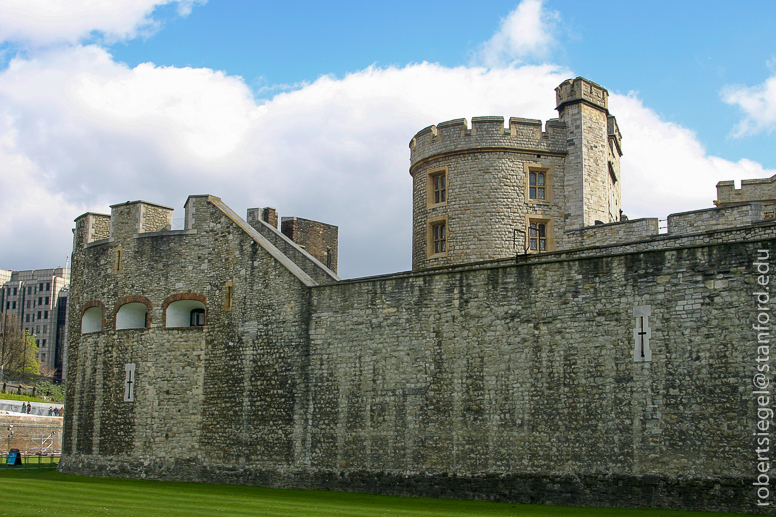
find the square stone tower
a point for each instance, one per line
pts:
(592, 182)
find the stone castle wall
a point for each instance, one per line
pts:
(320, 240)
(504, 381)
(763, 189)
(728, 216)
(528, 371)
(31, 435)
(613, 233)
(236, 378)
(487, 170)
(490, 211)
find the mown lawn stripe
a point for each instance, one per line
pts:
(51, 494)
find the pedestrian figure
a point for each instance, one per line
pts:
(24, 407)
(29, 408)
(51, 411)
(56, 411)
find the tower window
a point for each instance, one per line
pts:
(440, 188)
(536, 185)
(440, 238)
(537, 236)
(436, 187)
(436, 237)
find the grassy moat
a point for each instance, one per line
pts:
(47, 492)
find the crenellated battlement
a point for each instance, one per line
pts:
(581, 90)
(127, 220)
(761, 189)
(134, 217)
(488, 134)
(91, 227)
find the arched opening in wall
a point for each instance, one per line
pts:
(132, 316)
(185, 313)
(91, 321)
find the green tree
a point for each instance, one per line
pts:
(28, 362)
(18, 349)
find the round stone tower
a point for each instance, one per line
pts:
(490, 191)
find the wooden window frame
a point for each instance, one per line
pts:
(431, 187)
(549, 235)
(548, 174)
(431, 241)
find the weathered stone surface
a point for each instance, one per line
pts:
(489, 377)
(501, 381)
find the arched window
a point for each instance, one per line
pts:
(132, 315)
(187, 312)
(91, 321)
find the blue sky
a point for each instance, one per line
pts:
(305, 106)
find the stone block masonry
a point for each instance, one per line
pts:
(511, 382)
(482, 193)
(31, 435)
(321, 240)
(763, 189)
(611, 367)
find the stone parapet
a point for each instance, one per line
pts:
(487, 133)
(612, 233)
(581, 90)
(719, 218)
(763, 189)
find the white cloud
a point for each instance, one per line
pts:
(45, 22)
(79, 131)
(758, 104)
(94, 132)
(665, 168)
(525, 33)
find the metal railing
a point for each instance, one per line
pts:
(30, 461)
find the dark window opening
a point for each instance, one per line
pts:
(198, 318)
(440, 238)
(440, 188)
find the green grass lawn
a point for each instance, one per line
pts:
(48, 493)
(29, 398)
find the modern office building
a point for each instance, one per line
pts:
(39, 298)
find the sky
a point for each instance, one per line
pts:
(309, 107)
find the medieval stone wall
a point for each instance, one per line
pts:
(31, 435)
(613, 233)
(486, 170)
(529, 370)
(506, 381)
(225, 392)
(720, 218)
(762, 189)
(320, 240)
